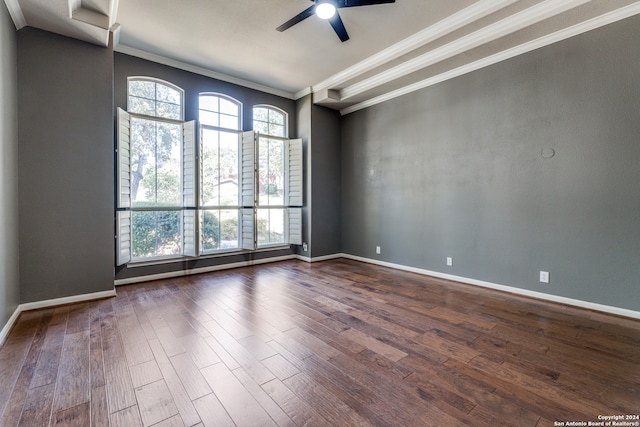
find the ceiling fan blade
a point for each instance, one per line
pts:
(298, 18)
(338, 27)
(354, 3)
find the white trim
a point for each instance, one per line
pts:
(513, 23)
(446, 26)
(200, 270)
(13, 6)
(200, 70)
(319, 258)
(50, 303)
(67, 300)
(519, 291)
(583, 27)
(7, 328)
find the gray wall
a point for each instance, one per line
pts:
(9, 275)
(319, 128)
(456, 170)
(65, 115)
(326, 180)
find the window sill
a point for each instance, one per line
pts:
(181, 258)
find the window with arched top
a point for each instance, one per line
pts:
(220, 111)
(273, 172)
(220, 181)
(155, 173)
(154, 97)
(269, 120)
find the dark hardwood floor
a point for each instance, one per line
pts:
(335, 343)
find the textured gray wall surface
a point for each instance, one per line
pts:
(9, 273)
(193, 84)
(303, 113)
(457, 170)
(65, 116)
(326, 176)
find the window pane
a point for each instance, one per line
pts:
(155, 163)
(229, 108)
(261, 127)
(270, 172)
(269, 121)
(261, 114)
(220, 229)
(219, 170)
(228, 122)
(219, 111)
(154, 99)
(228, 179)
(141, 106)
(155, 233)
(210, 172)
(167, 94)
(168, 111)
(276, 130)
(209, 103)
(270, 226)
(142, 88)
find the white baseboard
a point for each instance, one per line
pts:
(519, 291)
(7, 328)
(319, 258)
(200, 270)
(50, 303)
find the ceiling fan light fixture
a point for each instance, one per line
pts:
(325, 10)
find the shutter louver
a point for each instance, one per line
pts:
(248, 233)
(295, 225)
(123, 243)
(189, 164)
(189, 247)
(294, 172)
(248, 166)
(124, 159)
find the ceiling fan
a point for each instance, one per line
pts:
(327, 9)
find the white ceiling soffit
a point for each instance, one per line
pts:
(86, 20)
(394, 48)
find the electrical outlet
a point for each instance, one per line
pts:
(544, 277)
(378, 249)
(449, 261)
(304, 247)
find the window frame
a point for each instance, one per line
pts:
(194, 211)
(201, 207)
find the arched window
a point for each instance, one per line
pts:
(272, 153)
(154, 97)
(220, 111)
(155, 173)
(220, 181)
(268, 120)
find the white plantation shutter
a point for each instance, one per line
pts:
(247, 229)
(189, 247)
(124, 159)
(189, 221)
(294, 217)
(248, 167)
(189, 164)
(293, 169)
(123, 242)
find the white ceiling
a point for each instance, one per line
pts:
(394, 48)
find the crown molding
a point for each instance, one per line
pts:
(513, 23)
(16, 13)
(128, 50)
(446, 26)
(583, 27)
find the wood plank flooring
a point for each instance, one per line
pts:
(335, 343)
